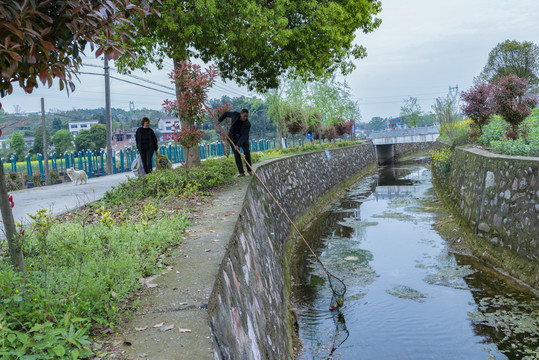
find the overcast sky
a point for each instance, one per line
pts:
(421, 48)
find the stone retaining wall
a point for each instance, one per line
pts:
(497, 195)
(410, 148)
(249, 307)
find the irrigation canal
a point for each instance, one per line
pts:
(409, 296)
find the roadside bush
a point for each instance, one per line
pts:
(494, 135)
(13, 182)
(494, 131)
(172, 182)
(79, 275)
(519, 146)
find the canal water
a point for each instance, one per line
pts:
(409, 296)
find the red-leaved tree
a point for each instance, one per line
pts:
(193, 84)
(513, 102)
(478, 106)
(293, 120)
(343, 127)
(329, 133)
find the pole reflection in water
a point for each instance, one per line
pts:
(341, 332)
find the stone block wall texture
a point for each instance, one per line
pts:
(248, 308)
(497, 195)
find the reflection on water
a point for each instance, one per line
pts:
(408, 296)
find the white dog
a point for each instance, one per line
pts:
(77, 176)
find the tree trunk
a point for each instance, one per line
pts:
(192, 153)
(279, 136)
(14, 244)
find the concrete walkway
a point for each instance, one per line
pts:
(171, 322)
(61, 198)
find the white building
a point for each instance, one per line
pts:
(76, 126)
(166, 127)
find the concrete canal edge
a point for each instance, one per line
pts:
(496, 200)
(249, 310)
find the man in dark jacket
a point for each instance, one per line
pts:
(239, 134)
(146, 144)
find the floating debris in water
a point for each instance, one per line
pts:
(451, 277)
(395, 215)
(406, 292)
(353, 223)
(515, 322)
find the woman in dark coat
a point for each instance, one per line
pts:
(146, 144)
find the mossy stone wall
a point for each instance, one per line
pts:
(496, 195)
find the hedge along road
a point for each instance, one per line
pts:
(62, 198)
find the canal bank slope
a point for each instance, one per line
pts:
(496, 197)
(249, 308)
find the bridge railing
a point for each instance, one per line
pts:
(404, 132)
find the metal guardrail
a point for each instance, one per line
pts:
(404, 132)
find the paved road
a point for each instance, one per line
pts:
(62, 197)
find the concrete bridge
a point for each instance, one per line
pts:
(385, 140)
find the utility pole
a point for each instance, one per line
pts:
(108, 122)
(45, 142)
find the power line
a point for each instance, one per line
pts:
(129, 82)
(135, 77)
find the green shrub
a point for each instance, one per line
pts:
(494, 135)
(461, 134)
(519, 146)
(494, 131)
(172, 182)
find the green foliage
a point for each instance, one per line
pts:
(83, 141)
(494, 131)
(40, 48)
(98, 134)
(79, 275)
(171, 182)
(494, 135)
(17, 145)
(411, 111)
(377, 123)
(519, 146)
(445, 113)
(63, 141)
(308, 39)
(57, 125)
(461, 134)
(38, 140)
(513, 57)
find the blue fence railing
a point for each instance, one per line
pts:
(94, 163)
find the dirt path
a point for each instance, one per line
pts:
(179, 295)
